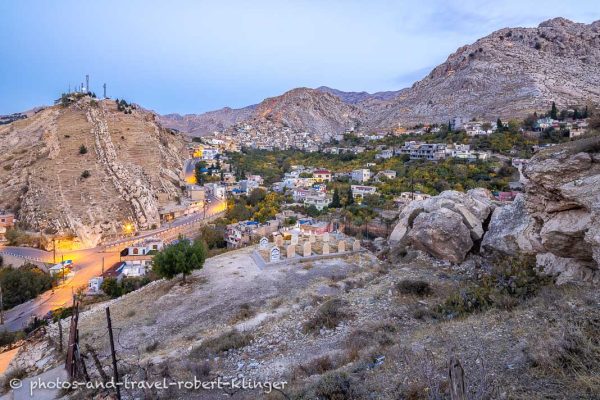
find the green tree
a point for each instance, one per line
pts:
(198, 173)
(335, 201)
(180, 258)
(349, 197)
(554, 111)
(83, 149)
(111, 287)
(499, 125)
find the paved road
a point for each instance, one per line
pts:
(87, 263)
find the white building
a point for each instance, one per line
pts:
(388, 174)
(95, 283)
(256, 178)
(361, 175)
(209, 153)
(320, 201)
(361, 191)
(215, 190)
(385, 154)
(247, 186)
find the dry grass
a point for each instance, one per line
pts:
(227, 341)
(570, 354)
(244, 312)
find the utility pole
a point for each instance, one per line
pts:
(112, 352)
(87, 83)
(102, 265)
(54, 248)
(104, 86)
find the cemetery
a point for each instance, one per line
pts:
(283, 248)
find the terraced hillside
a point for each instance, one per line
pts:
(132, 165)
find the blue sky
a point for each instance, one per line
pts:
(196, 56)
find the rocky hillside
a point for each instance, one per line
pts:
(308, 110)
(509, 73)
(86, 168)
(203, 124)
(299, 110)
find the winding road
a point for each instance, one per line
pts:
(87, 263)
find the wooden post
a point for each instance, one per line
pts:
(457, 380)
(60, 336)
(1, 307)
(112, 352)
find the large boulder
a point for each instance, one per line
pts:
(442, 234)
(512, 231)
(469, 213)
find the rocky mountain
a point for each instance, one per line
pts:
(202, 124)
(308, 110)
(358, 97)
(314, 110)
(509, 73)
(86, 168)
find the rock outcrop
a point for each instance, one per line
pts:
(558, 217)
(446, 226)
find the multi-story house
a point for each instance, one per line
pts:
(361, 175)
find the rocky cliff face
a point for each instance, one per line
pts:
(559, 215)
(133, 166)
(556, 220)
(509, 73)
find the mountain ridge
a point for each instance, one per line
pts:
(508, 73)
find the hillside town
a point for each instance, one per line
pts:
(435, 240)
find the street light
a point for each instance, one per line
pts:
(128, 228)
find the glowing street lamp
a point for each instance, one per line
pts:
(128, 228)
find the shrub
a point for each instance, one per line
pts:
(151, 347)
(227, 341)
(7, 337)
(86, 174)
(18, 373)
(329, 315)
(316, 366)
(243, 313)
(337, 386)
(510, 282)
(413, 287)
(83, 149)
